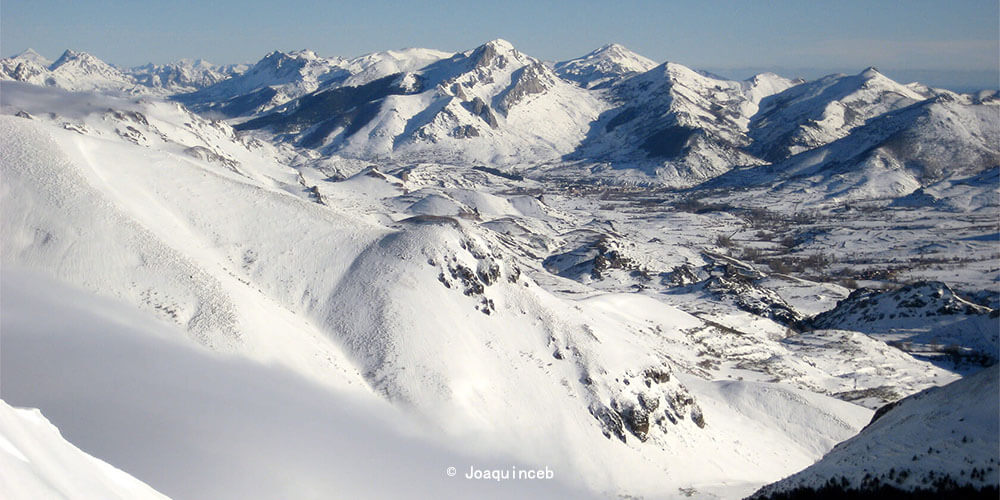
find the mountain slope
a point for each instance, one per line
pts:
(435, 234)
(38, 462)
(30, 54)
(936, 441)
(370, 67)
(282, 77)
(610, 115)
(922, 318)
(257, 261)
(149, 254)
(200, 424)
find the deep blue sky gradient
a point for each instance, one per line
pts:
(930, 39)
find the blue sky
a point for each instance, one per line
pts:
(956, 40)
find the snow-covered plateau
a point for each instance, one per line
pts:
(426, 274)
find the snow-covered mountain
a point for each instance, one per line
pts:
(370, 67)
(941, 442)
(680, 125)
(30, 54)
(944, 138)
(806, 116)
(492, 104)
(248, 431)
(958, 194)
(469, 258)
(80, 71)
(579, 383)
(282, 77)
(604, 66)
(185, 75)
(610, 114)
(499, 106)
(75, 71)
(272, 81)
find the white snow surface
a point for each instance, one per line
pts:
(36, 462)
(945, 432)
(198, 424)
(451, 285)
(441, 317)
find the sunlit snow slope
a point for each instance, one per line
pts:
(141, 202)
(36, 462)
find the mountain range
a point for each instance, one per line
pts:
(266, 280)
(612, 112)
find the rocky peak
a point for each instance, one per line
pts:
(184, 74)
(274, 59)
(279, 64)
(77, 65)
(82, 62)
(533, 79)
(494, 53)
(499, 45)
(622, 55)
(71, 56)
(303, 54)
(22, 70)
(479, 108)
(763, 85)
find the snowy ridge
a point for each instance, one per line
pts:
(80, 71)
(819, 112)
(38, 463)
(891, 156)
(922, 318)
(679, 125)
(936, 441)
(184, 76)
(370, 67)
(604, 66)
(958, 194)
(611, 114)
(75, 71)
(274, 80)
(248, 430)
(30, 54)
(279, 78)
